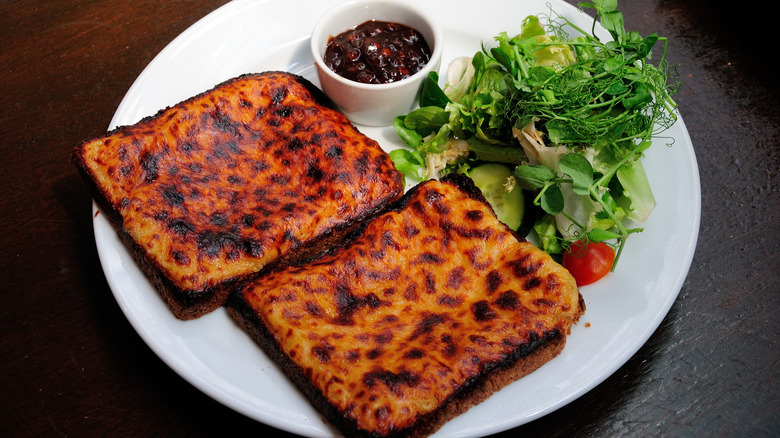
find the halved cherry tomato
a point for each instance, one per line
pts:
(588, 262)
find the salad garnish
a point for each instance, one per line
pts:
(570, 116)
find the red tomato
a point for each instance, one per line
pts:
(588, 262)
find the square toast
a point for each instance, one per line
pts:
(431, 308)
(255, 174)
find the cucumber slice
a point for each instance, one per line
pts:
(491, 178)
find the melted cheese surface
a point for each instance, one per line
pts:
(392, 325)
(222, 184)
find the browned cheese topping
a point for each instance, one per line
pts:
(224, 183)
(430, 296)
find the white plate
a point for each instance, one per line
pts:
(215, 356)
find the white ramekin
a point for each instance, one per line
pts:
(374, 104)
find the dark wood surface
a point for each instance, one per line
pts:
(71, 364)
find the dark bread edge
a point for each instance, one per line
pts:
(249, 321)
(192, 304)
(522, 361)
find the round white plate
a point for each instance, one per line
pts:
(215, 356)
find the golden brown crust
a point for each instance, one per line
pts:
(431, 308)
(258, 173)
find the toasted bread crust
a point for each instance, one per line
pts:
(388, 338)
(255, 174)
(528, 359)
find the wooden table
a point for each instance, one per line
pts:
(72, 365)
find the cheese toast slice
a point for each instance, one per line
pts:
(257, 173)
(430, 309)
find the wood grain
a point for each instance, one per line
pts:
(72, 365)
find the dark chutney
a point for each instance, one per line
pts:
(377, 52)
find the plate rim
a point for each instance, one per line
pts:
(206, 386)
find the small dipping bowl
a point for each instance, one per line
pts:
(374, 104)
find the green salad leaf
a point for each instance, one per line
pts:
(571, 112)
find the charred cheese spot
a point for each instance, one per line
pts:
(295, 144)
(544, 303)
(323, 352)
(427, 324)
(353, 355)
(393, 381)
(474, 215)
(172, 195)
(414, 353)
(429, 258)
(450, 301)
(508, 300)
(278, 95)
(411, 292)
(150, 164)
(384, 337)
(410, 232)
(449, 348)
(315, 172)
(382, 413)
(493, 280)
(551, 283)
(482, 311)
(180, 258)
(456, 277)
(532, 283)
(314, 308)
(474, 255)
(429, 282)
(524, 267)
